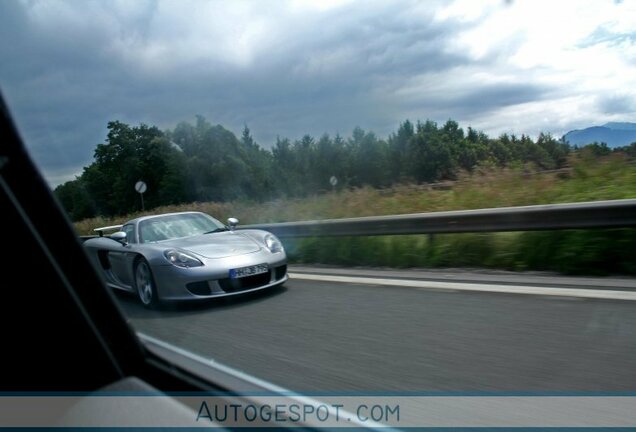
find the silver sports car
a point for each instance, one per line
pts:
(184, 256)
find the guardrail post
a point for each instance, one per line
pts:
(430, 248)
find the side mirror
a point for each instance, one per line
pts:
(119, 236)
(232, 223)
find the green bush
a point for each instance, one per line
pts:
(592, 252)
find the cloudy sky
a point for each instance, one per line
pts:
(293, 67)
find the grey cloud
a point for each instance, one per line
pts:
(317, 73)
(617, 104)
(469, 103)
(492, 97)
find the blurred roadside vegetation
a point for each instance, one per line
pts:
(588, 174)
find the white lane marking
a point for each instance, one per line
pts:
(507, 289)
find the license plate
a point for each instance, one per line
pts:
(248, 271)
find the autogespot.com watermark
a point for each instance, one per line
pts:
(159, 410)
(297, 413)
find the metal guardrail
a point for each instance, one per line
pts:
(597, 214)
(587, 215)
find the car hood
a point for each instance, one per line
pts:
(216, 245)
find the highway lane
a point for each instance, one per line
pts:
(326, 336)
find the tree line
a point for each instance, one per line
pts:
(203, 162)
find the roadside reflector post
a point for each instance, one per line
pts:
(333, 181)
(141, 187)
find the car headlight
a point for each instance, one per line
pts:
(181, 259)
(273, 244)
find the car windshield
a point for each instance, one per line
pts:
(177, 226)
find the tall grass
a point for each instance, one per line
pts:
(572, 251)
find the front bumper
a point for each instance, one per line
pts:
(212, 279)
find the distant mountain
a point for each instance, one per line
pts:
(614, 134)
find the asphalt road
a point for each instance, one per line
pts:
(325, 336)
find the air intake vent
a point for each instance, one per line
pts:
(199, 288)
(280, 272)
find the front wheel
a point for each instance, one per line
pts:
(145, 284)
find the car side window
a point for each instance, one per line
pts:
(130, 233)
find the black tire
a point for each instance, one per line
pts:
(145, 284)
